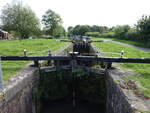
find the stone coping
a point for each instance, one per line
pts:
(22, 79)
(138, 105)
(18, 82)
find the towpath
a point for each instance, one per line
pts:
(129, 45)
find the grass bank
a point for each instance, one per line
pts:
(142, 71)
(140, 44)
(135, 43)
(15, 48)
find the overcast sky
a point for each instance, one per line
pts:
(91, 12)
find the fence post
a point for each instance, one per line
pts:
(25, 52)
(1, 77)
(122, 53)
(49, 54)
(108, 65)
(36, 63)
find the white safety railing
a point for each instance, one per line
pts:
(34, 52)
(121, 54)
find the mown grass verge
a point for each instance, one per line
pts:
(142, 71)
(140, 44)
(15, 48)
(135, 43)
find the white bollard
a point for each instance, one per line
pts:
(122, 53)
(1, 77)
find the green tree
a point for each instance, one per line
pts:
(52, 21)
(120, 31)
(81, 30)
(70, 31)
(93, 34)
(143, 28)
(59, 32)
(21, 19)
(75, 30)
(100, 29)
(70, 28)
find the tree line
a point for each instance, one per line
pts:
(21, 21)
(86, 30)
(140, 32)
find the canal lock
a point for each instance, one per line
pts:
(71, 90)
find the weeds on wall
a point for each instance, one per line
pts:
(59, 84)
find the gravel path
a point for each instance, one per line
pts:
(129, 45)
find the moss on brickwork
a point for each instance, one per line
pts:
(53, 85)
(59, 84)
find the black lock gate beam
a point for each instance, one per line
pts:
(115, 60)
(80, 58)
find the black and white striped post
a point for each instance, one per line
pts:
(1, 77)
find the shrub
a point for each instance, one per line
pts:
(107, 35)
(131, 35)
(15, 34)
(93, 34)
(120, 31)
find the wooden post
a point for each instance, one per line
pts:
(57, 64)
(25, 52)
(36, 63)
(49, 54)
(73, 62)
(108, 65)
